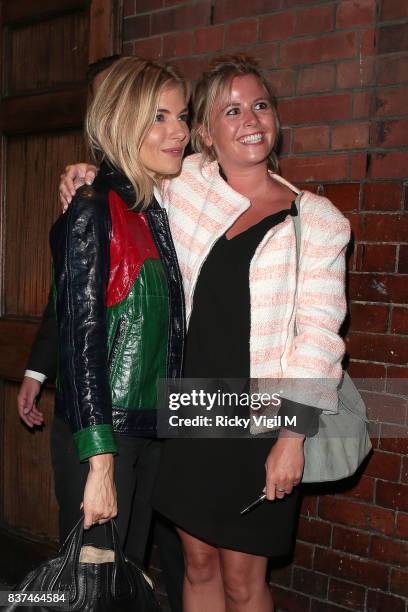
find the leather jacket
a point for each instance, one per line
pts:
(120, 312)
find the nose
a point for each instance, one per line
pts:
(250, 117)
(180, 131)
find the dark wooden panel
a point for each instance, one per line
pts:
(16, 338)
(33, 166)
(61, 109)
(105, 29)
(27, 10)
(47, 53)
(29, 502)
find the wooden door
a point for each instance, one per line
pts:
(47, 46)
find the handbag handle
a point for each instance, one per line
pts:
(67, 578)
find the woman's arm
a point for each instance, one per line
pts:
(80, 247)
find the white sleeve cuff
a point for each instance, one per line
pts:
(36, 375)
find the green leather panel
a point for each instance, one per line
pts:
(94, 440)
(137, 339)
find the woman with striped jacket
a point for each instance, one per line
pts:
(256, 309)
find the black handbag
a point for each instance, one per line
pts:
(117, 585)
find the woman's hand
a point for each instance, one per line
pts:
(99, 502)
(284, 465)
(73, 177)
(26, 402)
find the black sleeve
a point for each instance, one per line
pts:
(300, 418)
(43, 355)
(80, 247)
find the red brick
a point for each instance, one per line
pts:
(392, 69)
(310, 582)
(378, 288)
(392, 495)
(242, 33)
(384, 465)
(399, 321)
(363, 490)
(381, 227)
(192, 67)
(315, 138)
(368, 40)
(401, 530)
(404, 472)
(148, 47)
(322, 49)
(399, 582)
(353, 13)
(373, 373)
(289, 600)
(390, 101)
(392, 551)
(393, 38)
(378, 347)
(357, 570)
(376, 258)
(317, 168)
(129, 8)
(145, 6)
(385, 408)
(351, 541)
(393, 9)
(303, 554)
(309, 505)
(209, 39)
(389, 165)
(362, 104)
(383, 602)
(394, 438)
(355, 73)
(226, 10)
(346, 593)
(397, 380)
(403, 260)
(389, 133)
(324, 606)
(282, 576)
(286, 141)
(282, 82)
(173, 2)
(356, 514)
(350, 136)
(345, 196)
(177, 45)
(181, 18)
(267, 55)
(358, 166)
(382, 196)
(315, 109)
(314, 531)
(316, 78)
(136, 27)
(314, 20)
(277, 26)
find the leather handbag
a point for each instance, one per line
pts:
(89, 579)
(342, 442)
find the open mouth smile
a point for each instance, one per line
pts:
(256, 138)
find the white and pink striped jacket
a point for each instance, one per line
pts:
(202, 206)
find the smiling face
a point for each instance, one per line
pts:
(162, 149)
(242, 126)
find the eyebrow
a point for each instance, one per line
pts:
(167, 112)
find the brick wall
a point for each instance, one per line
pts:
(340, 70)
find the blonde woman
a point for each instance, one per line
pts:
(119, 302)
(231, 217)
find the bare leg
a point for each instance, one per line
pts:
(203, 589)
(245, 586)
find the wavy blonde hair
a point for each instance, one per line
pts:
(212, 87)
(121, 114)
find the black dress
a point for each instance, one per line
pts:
(203, 484)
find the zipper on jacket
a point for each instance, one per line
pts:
(119, 332)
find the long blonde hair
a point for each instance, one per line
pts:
(212, 87)
(121, 114)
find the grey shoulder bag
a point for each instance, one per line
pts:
(342, 441)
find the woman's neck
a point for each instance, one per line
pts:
(247, 181)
